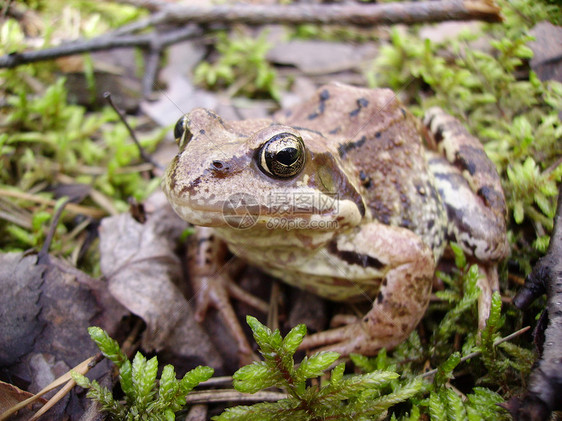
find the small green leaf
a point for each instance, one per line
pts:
(460, 259)
(265, 338)
(168, 381)
(126, 380)
(254, 377)
(445, 370)
(294, 339)
(193, 377)
(337, 373)
(315, 365)
(80, 379)
(108, 347)
(455, 407)
(437, 409)
(518, 212)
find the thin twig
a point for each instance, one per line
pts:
(477, 353)
(152, 5)
(143, 154)
(103, 42)
(231, 395)
(52, 229)
(81, 368)
(71, 207)
(54, 400)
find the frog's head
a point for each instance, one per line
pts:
(253, 172)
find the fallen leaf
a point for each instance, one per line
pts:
(11, 395)
(143, 271)
(47, 307)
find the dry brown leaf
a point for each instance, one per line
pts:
(11, 395)
(143, 271)
(46, 310)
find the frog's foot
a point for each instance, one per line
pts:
(211, 285)
(397, 309)
(212, 292)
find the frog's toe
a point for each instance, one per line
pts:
(488, 284)
(338, 340)
(352, 338)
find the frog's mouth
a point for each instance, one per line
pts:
(243, 211)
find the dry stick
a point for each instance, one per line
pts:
(81, 368)
(44, 252)
(227, 395)
(54, 400)
(544, 388)
(152, 5)
(71, 207)
(157, 46)
(477, 353)
(370, 14)
(355, 14)
(103, 42)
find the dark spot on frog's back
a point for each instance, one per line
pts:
(361, 103)
(344, 148)
(323, 97)
(365, 179)
(491, 197)
(335, 131)
(215, 116)
(363, 260)
(473, 160)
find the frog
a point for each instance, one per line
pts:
(347, 195)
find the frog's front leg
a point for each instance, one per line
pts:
(406, 266)
(471, 190)
(212, 286)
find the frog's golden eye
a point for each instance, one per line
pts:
(181, 132)
(282, 156)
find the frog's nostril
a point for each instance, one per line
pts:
(219, 165)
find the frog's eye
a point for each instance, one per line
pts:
(282, 156)
(181, 132)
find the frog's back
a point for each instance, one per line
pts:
(380, 143)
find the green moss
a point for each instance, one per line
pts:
(241, 66)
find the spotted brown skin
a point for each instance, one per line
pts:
(344, 200)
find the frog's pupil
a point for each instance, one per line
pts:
(282, 156)
(287, 156)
